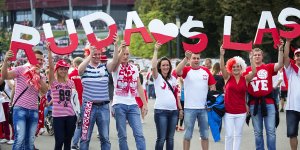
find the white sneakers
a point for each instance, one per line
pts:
(3, 141)
(10, 142)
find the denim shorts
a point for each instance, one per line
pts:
(190, 116)
(292, 122)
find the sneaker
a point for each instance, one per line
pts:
(75, 147)
(10, 142)
(3, 141)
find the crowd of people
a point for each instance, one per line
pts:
(82, 97)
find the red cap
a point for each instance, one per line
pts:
(103, 58)
(61, 63)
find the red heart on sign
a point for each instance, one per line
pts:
(163, 33)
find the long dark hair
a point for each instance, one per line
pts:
(159, 64)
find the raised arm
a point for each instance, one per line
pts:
(7, 75)
(51, 65)
(181, 65)
(111, 66)
(279, 64)
(251, 75)
(225, 74)
(121, 50)
(86, 61)
(286, 58)
(154, 61)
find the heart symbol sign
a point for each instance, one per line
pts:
(163, 33)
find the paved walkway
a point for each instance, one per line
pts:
(46, 142)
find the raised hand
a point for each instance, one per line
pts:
(92, 50)
(9, 54)
(188, 54)
(122, 46)
(157, 46)
(222, 50)
(116, 39)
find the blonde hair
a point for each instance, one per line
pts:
(258, 50)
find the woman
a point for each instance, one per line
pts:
(166, 112)
(216, 72)
(235, 98)
(64, 118)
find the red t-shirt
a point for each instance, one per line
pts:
(78, 85)
(235, 97)
(261, 84)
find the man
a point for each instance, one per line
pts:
(292, 105)
(127, 87)
(25, 111)
(208, 63)
(262, 104)
(78, 85)
(95, 107)
(197, 81)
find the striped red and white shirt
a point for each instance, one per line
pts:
(61, 97)
(30, 97)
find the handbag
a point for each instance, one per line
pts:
(10, 113)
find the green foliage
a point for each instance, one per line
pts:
(4, 40)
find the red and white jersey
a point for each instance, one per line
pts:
(196, 86)
(261, 84)
(293, 96)
(165, 98)
(126, 84)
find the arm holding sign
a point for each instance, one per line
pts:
(181, 65)
(120, 55)
(7, 75)
(279, 64)
(112, 65)
(251, 75)
(225, 74)
(154, 61)
(86, 61)
(286, 58)
(51, 65)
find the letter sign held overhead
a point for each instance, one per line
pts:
(72, 36)
(185, 31)
(227, 44)
(112, 28)
(163, 33)
(132, 16)
(18, 43)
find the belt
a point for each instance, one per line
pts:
(101, 103)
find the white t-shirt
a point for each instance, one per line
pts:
(196, 84)
(293, 96)
(125, 85)
(165, 98)
(275, 79)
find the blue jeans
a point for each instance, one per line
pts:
(165, 121)
(257, 122)
(101, 116)
(132, 114)
(77, 135)
(25, 124)
(151, 91)
(190, 116)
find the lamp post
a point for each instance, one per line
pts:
(178, 37)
